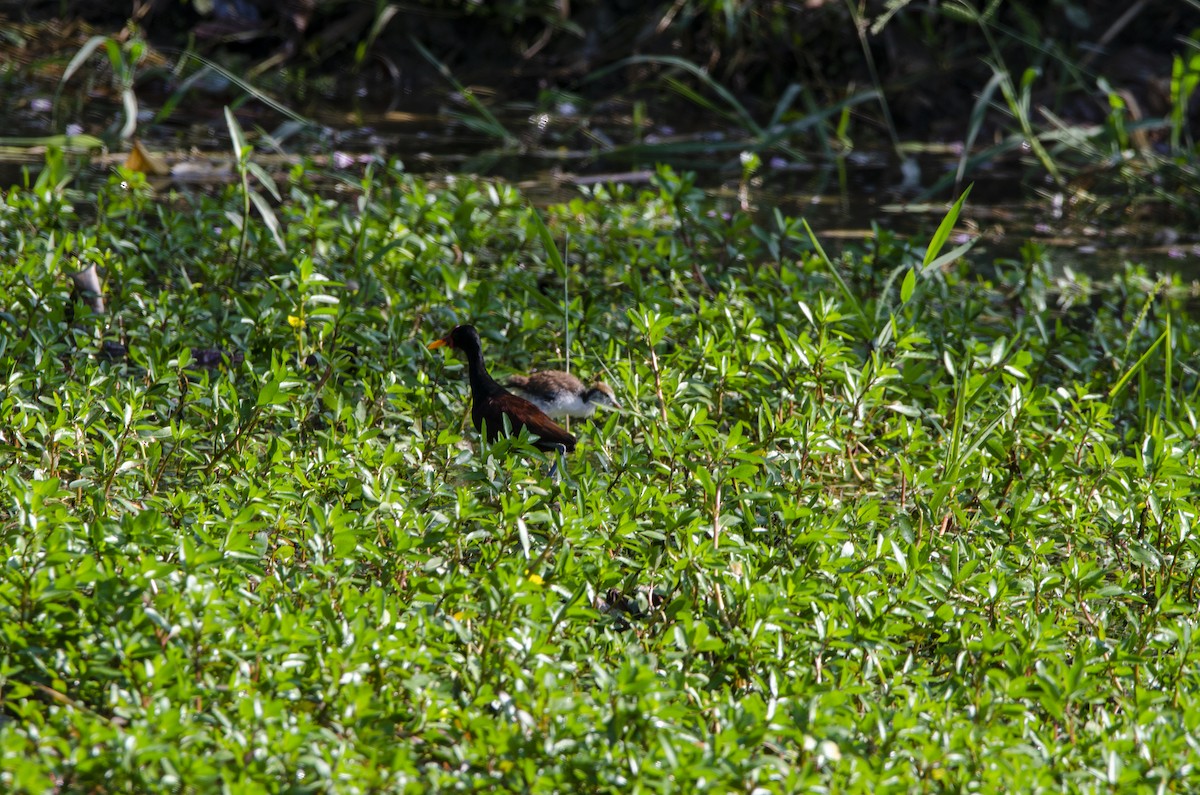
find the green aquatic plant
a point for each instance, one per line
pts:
(872, 518)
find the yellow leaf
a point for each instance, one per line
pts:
(143, 160)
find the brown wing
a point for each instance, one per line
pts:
(521, 412)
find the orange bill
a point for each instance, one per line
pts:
(438, 343)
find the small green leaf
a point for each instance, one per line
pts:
(945, 228)
(910, 284)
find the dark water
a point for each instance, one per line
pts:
(551, 154)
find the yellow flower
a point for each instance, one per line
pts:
(459, 616)
(536, 580)
(294, 321)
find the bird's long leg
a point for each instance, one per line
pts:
(562, 453)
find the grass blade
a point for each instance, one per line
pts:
(236, 137)
(269, 218)
(487, 123)
(89, 47)
(975, 123)
(739, 110)
(944, 229)
(837, 277)
(548, 242)
(241, 83)
(1137, 366)
(950, 256)
(781, 107)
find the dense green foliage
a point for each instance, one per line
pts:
(873, 528)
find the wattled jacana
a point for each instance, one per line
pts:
(561, 394)
(491, 403)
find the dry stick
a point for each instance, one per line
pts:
(669, 17)
(176, 415)
(716, 531)
(564, 13)
(662, 402)
(716, 534)
(117, 461)
(858, 16)
(241, 431)
(697, 275)
(337, 324)
(721, 604)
